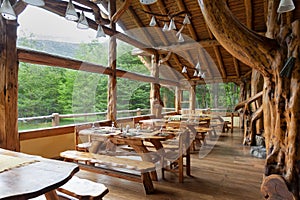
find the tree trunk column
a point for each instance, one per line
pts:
(178, 97)
(155, 99)
(112, 62)
(9, 136)
(192, 98)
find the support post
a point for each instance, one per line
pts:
(155, 99)
(112, 62)
(9, 136)
(178, 97)
(192, 98)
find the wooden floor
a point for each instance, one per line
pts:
(223, 169)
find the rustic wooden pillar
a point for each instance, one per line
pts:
(112, 62)
(192, 98)
(9, 136)
(178, 98)
(215, 94)
(155, 98)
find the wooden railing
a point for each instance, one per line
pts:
(55, 117)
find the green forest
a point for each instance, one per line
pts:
(44, 90)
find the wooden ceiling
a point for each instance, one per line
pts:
(199, 43)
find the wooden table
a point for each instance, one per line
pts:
(36, 176)
(152, 123)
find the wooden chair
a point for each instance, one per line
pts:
(173, 158)
(79, 145)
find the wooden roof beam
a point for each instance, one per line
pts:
(121, 10)
(41, 58)
(249, 13)
(218, 55)
(188, 45)
(236, 66)
(139, 23)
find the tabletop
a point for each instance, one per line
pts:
(29, 176)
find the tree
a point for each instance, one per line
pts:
(281, 93)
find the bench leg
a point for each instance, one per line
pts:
(52, 195)
(147, 182)
(153, 175)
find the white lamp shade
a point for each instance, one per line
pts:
(165, 27)
(82, 22)
(71, 13)
(7, 11)
(100, 32)
(35, 2)
(198, 65)
(172, 25)
(184, 70)
(186, 20)
(180, 38)
(195, 73)
(285, 6)
(147, 2)
(152, 21)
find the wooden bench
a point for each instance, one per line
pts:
(119, 167)
(80, 189)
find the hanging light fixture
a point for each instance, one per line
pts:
(35, 2)
(198, 67)
(71, 13)
(147, 2)
(82, 22)
(195, 73)
(184, 70)
(285, 6)
(152, 21)
(100, 32)
(165, 27)
(7, 11)
(186, 20)
(180, 38)
(172, 25)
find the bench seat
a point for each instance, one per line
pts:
(120, 167)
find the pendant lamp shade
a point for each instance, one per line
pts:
(198, 66)
(71, 13)
(35, 2)
(172, 25)
(7, 11)
(165, 27)
(82, 22)
(180, 38)
(100, 32)
(186, 20)
(184, 70)
(195, 73)
(152, 21)
(147, 2)
(285, 6)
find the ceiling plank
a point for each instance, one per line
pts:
(218, 56)
(236, 67)
(249, 14)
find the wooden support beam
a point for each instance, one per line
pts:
(112, 62)
(178, 98)
(236, 66)
(121, 10)
(41, 58)
(9, 136)
(192, 98)
(220, 62)
(147, 37)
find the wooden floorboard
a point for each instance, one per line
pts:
(223, 169)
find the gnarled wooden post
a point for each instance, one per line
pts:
(281, 93)
(9, 136)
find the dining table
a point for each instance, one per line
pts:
(25, 176)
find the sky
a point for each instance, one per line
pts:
(46, 25)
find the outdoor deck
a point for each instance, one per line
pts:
(227, 172)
